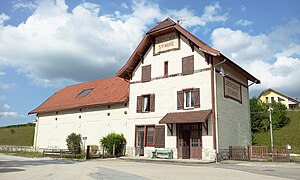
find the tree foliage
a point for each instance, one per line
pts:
(111, 139)
(260, 115)
(74, 143)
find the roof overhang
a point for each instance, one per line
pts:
(186, 117)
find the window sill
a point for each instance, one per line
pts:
(188, 108)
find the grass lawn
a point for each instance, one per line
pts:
(289, 134)
(18, 135)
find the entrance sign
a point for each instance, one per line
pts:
(232, 89)
(166, 42)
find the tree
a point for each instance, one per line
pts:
(258, 113)
(279, 116)
(113, 139)
(260, 116)
(74, 143)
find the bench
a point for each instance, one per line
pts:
(56, 152)
(162, 154)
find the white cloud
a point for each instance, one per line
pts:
(243, 8)
(57, 44)
(2, 73)
(6, 85)
(2, 97)
(273, 58)
(3, 18)
(124, 5)
(6, 106)
(25, 6)
(11, 116)
(243, 22)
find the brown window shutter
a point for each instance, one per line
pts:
(152, 102)
(179, 100)
(188, 65)
(160, 136)
(196, 94)
(146, 73)
(139, 104)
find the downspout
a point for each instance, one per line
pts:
(216, 108)
(36, 131)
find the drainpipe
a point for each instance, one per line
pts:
(36, 121)
(216, 108)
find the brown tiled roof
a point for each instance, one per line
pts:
(168, 26)
(104, 92)
(186, 117)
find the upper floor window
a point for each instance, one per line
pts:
(272, 99)
(267, 100)
(145, 103)
(189, 98)
(188, 65)
(146, 73)
(166, 69)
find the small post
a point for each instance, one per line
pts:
(114, 149)
(102, 151)
(271, 127)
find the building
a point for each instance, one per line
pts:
(175, 92)
(270, 95)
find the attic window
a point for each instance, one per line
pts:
(84, 92)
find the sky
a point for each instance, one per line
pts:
(46, 45)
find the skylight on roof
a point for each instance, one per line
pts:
(84, 92)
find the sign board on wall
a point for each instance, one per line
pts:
(166, 42)
(232, 89)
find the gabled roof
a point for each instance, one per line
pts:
(284, 95)
(168, 26)
(103, 92)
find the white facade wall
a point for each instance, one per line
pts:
(234, 126)
(165, 89)
(53, 129)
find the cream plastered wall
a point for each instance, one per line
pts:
(165, 89)
(234, 128)
(275, 95)
(94, 123)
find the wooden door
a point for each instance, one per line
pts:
(186, 145)
(140, 141)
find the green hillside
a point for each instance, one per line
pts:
(289, 134)
(17, 135)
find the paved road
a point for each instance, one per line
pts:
(45, 168)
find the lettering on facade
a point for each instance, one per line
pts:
(232, 89)
(166, 43)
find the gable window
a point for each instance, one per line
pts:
(84, 92)
(272, 99)
(146, 73)
(267, 99)
(145, 103)
(188, 65)
(188, 98)
(166, 68)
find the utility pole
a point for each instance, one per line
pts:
(271, 128)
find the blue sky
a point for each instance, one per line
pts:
(47, 44)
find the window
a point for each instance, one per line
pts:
(166, 69)
(84, 92)
(150, 136)
(188, 65)
(267, 99)
(146, 73)
(280, 99)
(272, 99)
(189, 98)
(145, 103)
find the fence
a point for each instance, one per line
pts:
(280, 154)
(17, 148)
(239, 153)
(258, 153)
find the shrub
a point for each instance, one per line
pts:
(74, 143)
(111, 139)
(12, 131)
(94, 149)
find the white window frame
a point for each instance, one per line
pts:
(189, 100)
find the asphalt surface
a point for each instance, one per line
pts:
(12, 167)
